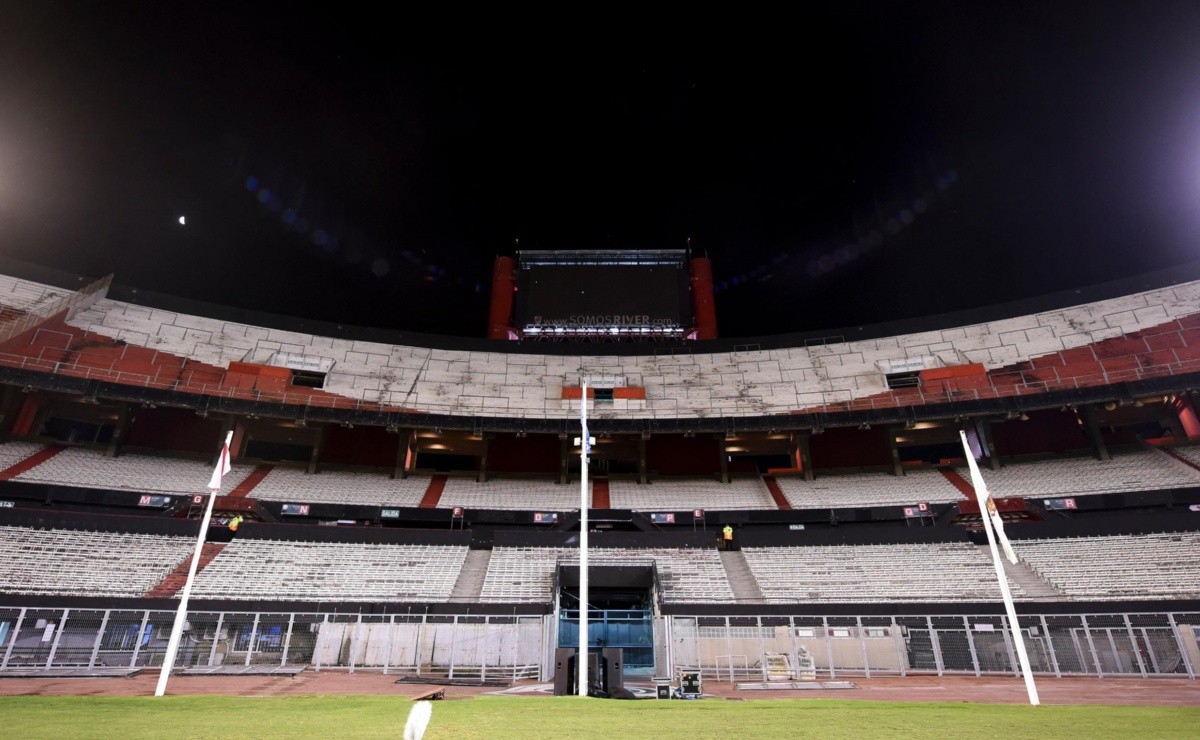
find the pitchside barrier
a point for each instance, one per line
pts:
(721, 648)
(443, 646)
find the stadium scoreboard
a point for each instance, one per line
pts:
(605, 294)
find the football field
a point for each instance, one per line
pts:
(496, 717)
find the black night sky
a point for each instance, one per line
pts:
(839, 167)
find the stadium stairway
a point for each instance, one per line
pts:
(964, 487)
(247, 485)
(469, 585)
(1036, 588)
(433, 494)
(30, 462)
(1172, 455)
(777, 493)
(741, 580)
(176, 579)
(600, 499)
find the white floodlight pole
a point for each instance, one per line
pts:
(581, 661)
(181, 612)
(1014, 627)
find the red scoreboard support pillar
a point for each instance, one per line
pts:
(1188, 419)
(504, 285)
(703, 306)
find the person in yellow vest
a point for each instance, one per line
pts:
(234, 522)
(727, 536)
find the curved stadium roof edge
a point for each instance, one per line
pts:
(1062, 299)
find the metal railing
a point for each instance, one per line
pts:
(511, 647)
(508, 647)
(829, 647)
(36, 315)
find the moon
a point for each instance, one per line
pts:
(183, 220)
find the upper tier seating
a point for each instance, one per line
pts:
(1138, 470)
(1154, 566)
(89, 468)
(340, 487)
(510, 493)
(522, 574)
(12, 453)
(681, 495)
(67, 562)
(24, 295)
(1191, 453)
(833, 375)
(331, 571)
(1127, 471)
(854, 490)
(947, 571)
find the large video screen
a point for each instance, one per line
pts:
(603, 296)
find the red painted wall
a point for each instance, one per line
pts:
(177, 430)
(537, 453)
(1050, 430)
(23, 426)
(849, 448)
(372, 447)
(504, 284)
(704, 306)
(674, 454)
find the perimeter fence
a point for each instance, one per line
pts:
(512, 647)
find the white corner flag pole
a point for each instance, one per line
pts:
(581, 660)
(214, 485)
(1014, 627)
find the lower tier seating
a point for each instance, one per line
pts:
(1152, 566)
(68, 562)
(331, 571)
(948, 571)
(522, 574)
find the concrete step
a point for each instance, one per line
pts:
(1035, 587)
(745, 586)
(469, 585)
(177, 578)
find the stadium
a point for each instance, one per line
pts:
(829, 375)
(412, 507)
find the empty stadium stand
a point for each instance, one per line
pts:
(842, 490)
(340, 487)
(21, 296)
(681, 495)
(12, 453)
(331, 571)
(1151, 566)
(1142, 335)
(874, 573)
(520, 574)
(1191, 453)
(83, 467)
(104, 399)
(508, 493)
(73, 562)
(1138, 470)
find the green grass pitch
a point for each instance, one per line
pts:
(353, 716)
